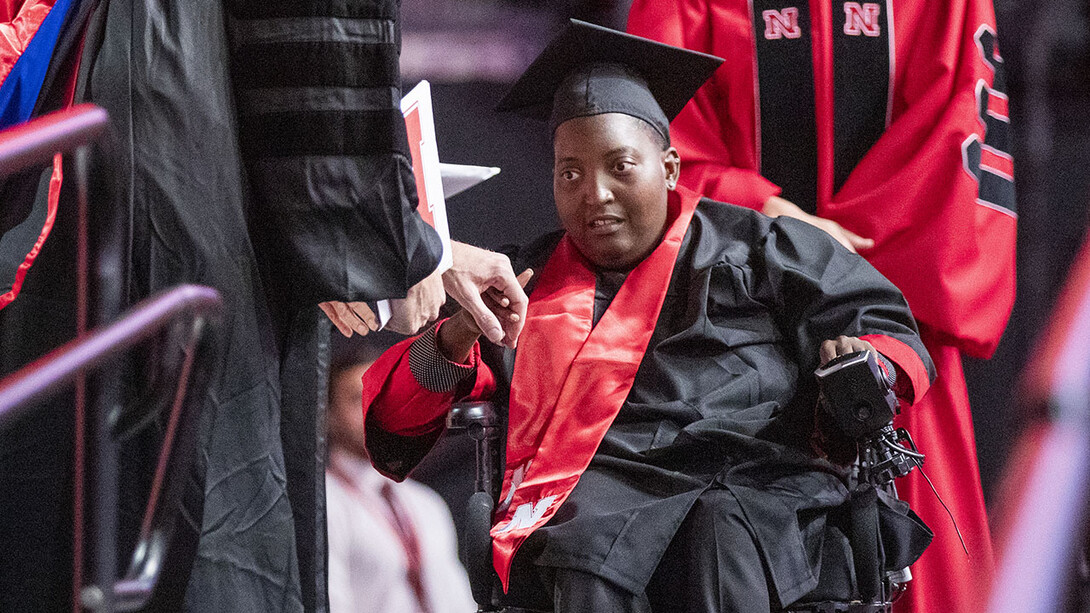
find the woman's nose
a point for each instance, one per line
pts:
(598, 190)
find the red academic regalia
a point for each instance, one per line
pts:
(696, 377)
(28, 88)
(891, 119)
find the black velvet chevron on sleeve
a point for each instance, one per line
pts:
(333, 197)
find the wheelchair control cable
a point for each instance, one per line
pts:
(943, 503)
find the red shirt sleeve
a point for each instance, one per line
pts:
(394, 400)
(912, 378)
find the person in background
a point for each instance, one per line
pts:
(392, 546)
(886, 125)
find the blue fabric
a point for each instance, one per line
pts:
(20, 90)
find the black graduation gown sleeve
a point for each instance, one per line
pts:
(821, 291)
(817, 291)
(332, 202)
(320, 126)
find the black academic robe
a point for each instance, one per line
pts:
(723, 397)
(257, 148)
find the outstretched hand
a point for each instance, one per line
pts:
(458, 335)
(776, 206)
(407, 315)
(484, 283)
(350, 317)
(419, 307)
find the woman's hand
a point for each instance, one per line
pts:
(458, 334)
(478, 273)
(776, 206)
(842, 345)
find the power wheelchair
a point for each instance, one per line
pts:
(858, 407)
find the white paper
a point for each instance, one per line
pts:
(457, 178)
(420, 124)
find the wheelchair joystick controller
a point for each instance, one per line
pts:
(858, 398)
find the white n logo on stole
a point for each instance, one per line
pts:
(528, 513)
(862, 19)
(782, 24)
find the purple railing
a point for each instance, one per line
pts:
(38, 140)
(195, 312)
(58, 369)
(192, 313)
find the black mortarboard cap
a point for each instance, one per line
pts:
(590, 70)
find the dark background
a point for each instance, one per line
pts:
(471, 50)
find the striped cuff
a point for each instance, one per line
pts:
(431, 370)
(888, 370)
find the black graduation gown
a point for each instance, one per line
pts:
(259, 149)
(723, 398)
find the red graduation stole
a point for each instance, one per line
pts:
(570, 379)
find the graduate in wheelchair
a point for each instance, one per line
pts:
(663, 451)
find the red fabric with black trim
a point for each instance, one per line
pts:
(952, 257)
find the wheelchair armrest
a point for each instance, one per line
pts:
(472, 415)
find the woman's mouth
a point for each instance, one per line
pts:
(604, 225)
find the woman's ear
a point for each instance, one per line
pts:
(671, 162)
